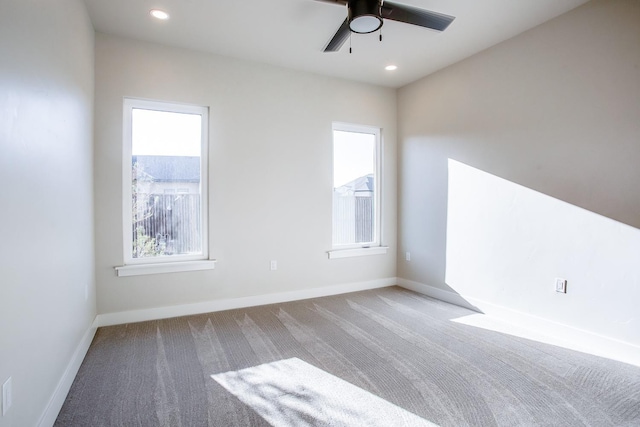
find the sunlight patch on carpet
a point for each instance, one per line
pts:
(292, 393)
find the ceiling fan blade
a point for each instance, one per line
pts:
(339, 37)
(415, 16)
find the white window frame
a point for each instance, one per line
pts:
(172, 263)
(369, 248)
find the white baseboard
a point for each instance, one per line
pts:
(50, 414)
(132, 316)
(437, 293)
(536, 328)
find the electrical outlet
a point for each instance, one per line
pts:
(561, 285)
(274, 265)
(407, 256)
(7, 399)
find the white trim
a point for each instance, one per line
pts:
(437, 293)
(377, 194)
(347, 253)
(129, 104)
(165, 267)
(546, 330)
(58, 397)
(122, 317)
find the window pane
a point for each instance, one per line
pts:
(166, 198)
(354, 181)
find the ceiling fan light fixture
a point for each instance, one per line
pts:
(364, 16)
(365, 24)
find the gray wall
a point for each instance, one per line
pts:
(47, 291)
(520, 165)
(270, 173)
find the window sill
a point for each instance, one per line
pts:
(165, 267)
(348, 253)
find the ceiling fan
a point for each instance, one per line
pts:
(366, 16)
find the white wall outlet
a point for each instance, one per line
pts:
(274, 265)
(561, 285)
(407, 256)
(7, 399)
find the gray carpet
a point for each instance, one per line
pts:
(390, 347)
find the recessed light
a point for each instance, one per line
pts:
(391, 67)
(159, 14)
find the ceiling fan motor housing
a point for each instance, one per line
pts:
(364, 15)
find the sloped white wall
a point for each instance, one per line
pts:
(47, 290)
(270, 173)
(520, 165)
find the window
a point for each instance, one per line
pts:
(165, 183)
(356, 186)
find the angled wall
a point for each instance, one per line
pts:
(520, 165)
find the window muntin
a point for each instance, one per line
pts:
(165, 153)
(356, 186)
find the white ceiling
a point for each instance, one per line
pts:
(293, 33)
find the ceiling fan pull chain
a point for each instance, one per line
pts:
(380, 33)
(349, 42)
